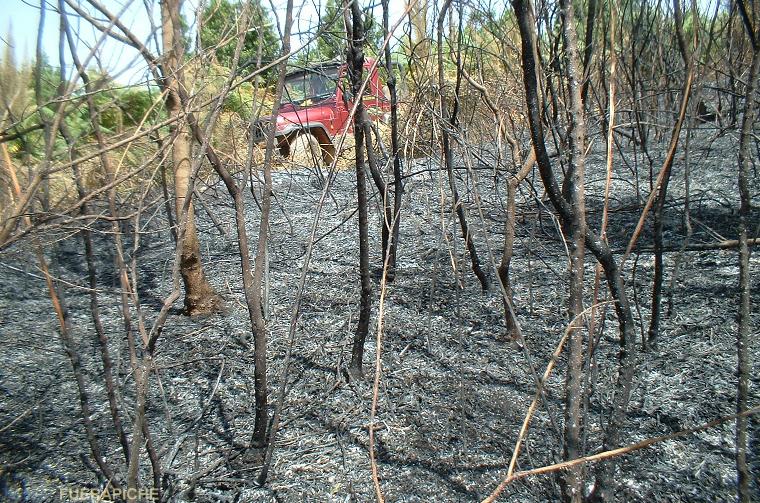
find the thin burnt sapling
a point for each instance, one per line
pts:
(448, 154)
(355, 68)
(743, 338)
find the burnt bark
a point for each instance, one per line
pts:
(251, 287)
(200, 297)
(600, 249)
(76, 364)
(87, 238)
(355, 70)
(398, 187)
(662, 191)
(56, 297)
(575, 228)
(141, 373)
(743, 336)
(507, 253)
(102, 338)
(588, 48)
(252, 276)
(448, 154)
(523, 168)
(168, 205)
(382, 188)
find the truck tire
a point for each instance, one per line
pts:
(305, 151)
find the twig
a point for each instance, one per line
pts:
(17, 419)
(539, 389)
(726, 244)
(614, 453)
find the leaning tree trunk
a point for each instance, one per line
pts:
(200, 297)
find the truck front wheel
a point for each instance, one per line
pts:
(305, 151)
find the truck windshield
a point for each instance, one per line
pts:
(303, 87)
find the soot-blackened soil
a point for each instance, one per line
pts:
(454, 389)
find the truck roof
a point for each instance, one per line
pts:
(315, 67)
(324, 66)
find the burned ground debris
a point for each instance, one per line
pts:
(524, 270)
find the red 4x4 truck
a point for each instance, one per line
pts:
(316, 103)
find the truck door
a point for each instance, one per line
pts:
(374, 99)
(344, 103)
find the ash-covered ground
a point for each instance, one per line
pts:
(453, 390)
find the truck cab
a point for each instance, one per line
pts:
(315, 108)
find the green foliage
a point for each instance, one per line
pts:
(135, 104)
(16, 96)
(118, 109)
(21, 88)
(373, 29)
(240, 101)
(47, 78)
(14, 82)
(218, 32)
(331, 44)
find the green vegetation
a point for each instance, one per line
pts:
(219, 32)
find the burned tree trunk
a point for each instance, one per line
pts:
(743, 338)
(744, 341)
(200, 297)
(595, 244)
(448, 155)
(575, 227)
(382, 188)
(93, 112)
(67, 341)
(662, 190)
(588, 48)
(252, 276)
(355, 67)
(398, 188)
(510, 316)
(523, 167)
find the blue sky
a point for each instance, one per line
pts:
(22, 17)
